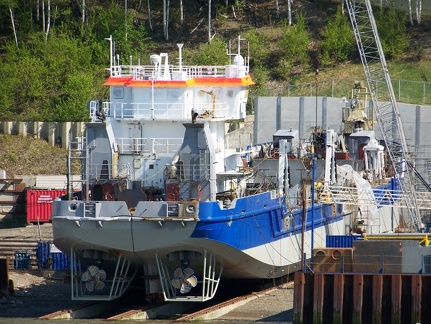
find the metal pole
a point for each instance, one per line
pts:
(304, 220)
(313, 179)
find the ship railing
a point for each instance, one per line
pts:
(148, 145)
(148, 72)
(191, 172)
(198, 170)
(343, 260)
(375, 197)
(105, 171)
(167, 111)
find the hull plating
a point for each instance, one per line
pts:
(250, 240)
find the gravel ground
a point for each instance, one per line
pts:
(36, 293)
(42, 232)
(275, 306)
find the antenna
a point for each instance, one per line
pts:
(180, 47)
(111, 54)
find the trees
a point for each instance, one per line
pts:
(338, 42)
(53, 52)
(58, 64)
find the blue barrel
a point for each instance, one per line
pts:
(22, 260)
(50, 258)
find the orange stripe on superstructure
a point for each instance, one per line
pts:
(117, 81)
(190, 82)
(226, 82)
(158, 83)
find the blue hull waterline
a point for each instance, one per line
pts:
(170, 195)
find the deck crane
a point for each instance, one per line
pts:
(384, 103)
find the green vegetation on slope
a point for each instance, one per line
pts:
(49, 74)
(26, 155)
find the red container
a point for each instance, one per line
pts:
(39, 204)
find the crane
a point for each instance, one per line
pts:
(384, 103)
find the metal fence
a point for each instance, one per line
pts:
(406, 91)
(368, 264)
(404, 4)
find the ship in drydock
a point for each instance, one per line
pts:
(168, 198)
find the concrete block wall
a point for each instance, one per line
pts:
(56, 134)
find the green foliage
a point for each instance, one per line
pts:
(295, 41)
(129, 33)
(283, 69)
(259, 45)
(391, 25)
(260, 76)
(259, 54)
(72, 104)
(338, 42)
(25, 79)
(207, 54)
(51, 77)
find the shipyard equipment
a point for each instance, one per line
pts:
(383, 100)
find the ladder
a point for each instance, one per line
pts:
(383, 99)
(77, 158)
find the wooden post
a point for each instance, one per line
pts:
(318, 296)
(396, 293)
(338, 298)
(358, 297)
(416, 298)
(377, 298)
(298, 298)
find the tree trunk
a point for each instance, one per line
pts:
(48, 21)
(277, 7)
(43, 15)
(418, 10)
(166, 4)
(125, 16)
(167, 18)
(209, 21)
(410, 13)
(149, 15)
(83, 13)
(164, 18)
(13, 25)
(181, 12)
(289, 11)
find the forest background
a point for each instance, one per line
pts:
(54, 53)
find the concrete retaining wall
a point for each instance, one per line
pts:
(56, 134)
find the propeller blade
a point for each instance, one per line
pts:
(93, 270)
(89, 285)
(102, 275)
(176, 283)
(100, 285)
(192, 281)
(178, 273)
(185, 288)
(86, 276)
(188, 272)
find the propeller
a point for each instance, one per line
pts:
(184, 280)
(94, 278)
